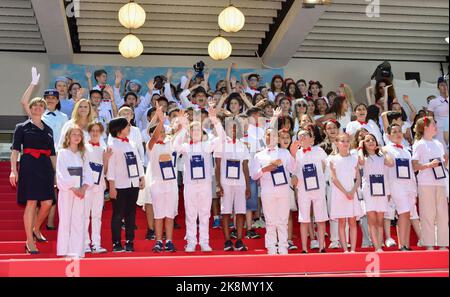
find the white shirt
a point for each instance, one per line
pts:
(439, 106)
(56, 122)
(263, 159)
(316, 157)
(94, 154)
(66, 159)
(117, 166)
(400, 153)
(256, 138)
(135, 139)
(229, 151)
(424, 151)
(154, 156)
(251, 91)
(65, 128)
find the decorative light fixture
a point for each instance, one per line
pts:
(231, 19)
(219, 48)
(131, 47)
(132, 15)
(313, 3)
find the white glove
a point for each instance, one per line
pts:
(34, 76)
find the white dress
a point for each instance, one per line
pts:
(374, 166)
(341, 206)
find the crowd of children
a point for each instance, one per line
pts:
(249, 155)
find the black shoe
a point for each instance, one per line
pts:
(252, 235)
(150, 235)
(239, 246)
(117, 248)
(233, 234)
(404, 249)
(158, 248)
(39, 239)
(28, 251)
(50, 228)
(228, 246)
(170, 247)
(323, 251)
(304, 252)
(129, 246)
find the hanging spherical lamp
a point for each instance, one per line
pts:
(131, 47)
(231, 19)
(219, 48)
(132, 16)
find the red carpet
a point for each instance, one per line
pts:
(14, 262)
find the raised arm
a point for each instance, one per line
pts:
(274, 120)
(245, 99)
(411, 106)
(369, 91)
(385, 120)
(244, 78)
(88, 74)
(386, 97)
(160, 116)
(110, 91)
(29, 91)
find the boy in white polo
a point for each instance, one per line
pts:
(311, 163)
(233, 180)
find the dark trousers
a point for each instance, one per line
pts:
(124, 206)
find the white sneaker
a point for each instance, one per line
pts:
(190, 248)
(390, 242)
(314, 244)
(87, 250)
(334, 245)
(419, 243)
(283, 251)
(272, 251)
(206, 248)
(260, 224)
(99, 250)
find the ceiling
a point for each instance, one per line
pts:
(174, 26)
(412, 30)
(19, 30)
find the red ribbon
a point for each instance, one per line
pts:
(36, 153)
(123, 139)
(362, 123)
(398, 146)
(306, 150)
(160, 142)
(94, 143)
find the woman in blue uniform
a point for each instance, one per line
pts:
(34, 139)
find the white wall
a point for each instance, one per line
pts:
(15, 71)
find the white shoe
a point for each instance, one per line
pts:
(390, 242)
(379, 251)
(334, 245)
(314, 244)
(259, 224)
(190, 248)
(87, 250)
(272, 251)
(283, 251)
(206, 248)
(419, 243)
(99, 250)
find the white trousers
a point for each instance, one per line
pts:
(276, 213)
(93, 213)
(197, 204)
(71, 230)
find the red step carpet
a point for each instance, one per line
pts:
(255, 262)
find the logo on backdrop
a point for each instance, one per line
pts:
(373, 266)
(73, 8)
(373, 9)
(73, 268)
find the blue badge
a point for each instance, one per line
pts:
(233, 169)
(97, 170)
(402, 167)
(439, 172)
(279, 177)
(167, 170)
(377, 185)
(133, 170)
(76, 175)
(310, 177)
(197, 167)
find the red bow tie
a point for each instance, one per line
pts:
(306, 150)
(254, 89)
(398, 146)
(192, 142)
(245, 135)
(160, 142)
(362, 123)
(123, 139)
(94, 143)
(233, 141)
